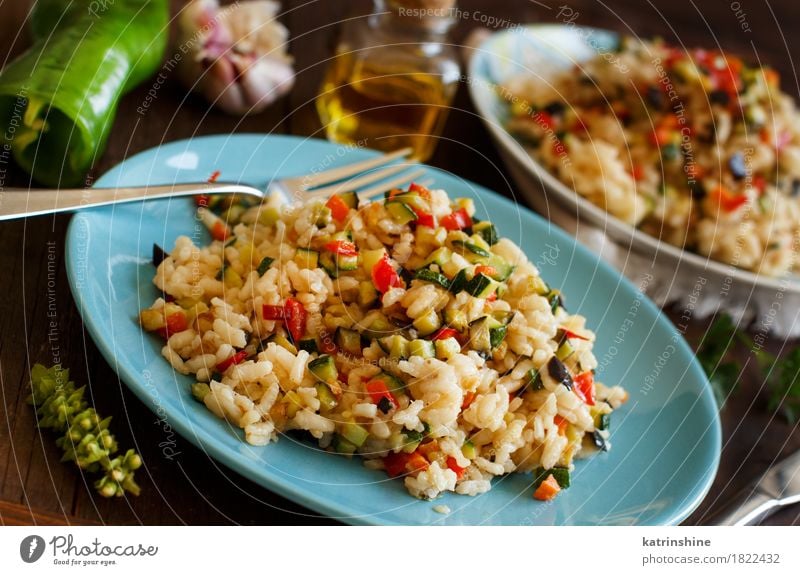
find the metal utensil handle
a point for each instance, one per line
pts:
(748, 507)
(21, 202)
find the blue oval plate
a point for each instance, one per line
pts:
(666, 439)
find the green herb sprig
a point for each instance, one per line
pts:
(85, 438)
(781, 375)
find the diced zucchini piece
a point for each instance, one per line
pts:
(367, 294)
(487, 231)
(342, 236)
(380, 327)
(349, 198)
(325, 396)
(433, 277)
(324, 369)
(354, 433)
(200, 390)
(268, 216)
(231, 278)
(422, 348)
(308, 344)
(602, 421)
(395, 345)
(503, 317)
(394, 384)
(347, 263)
(283, 342)
(480, 338)
(428, 323)
(560, 474)
(342, 445)
(554, 297)
(472, 251)
(264, 266)
(481, 286)
(336, 263)
(469, 450)
(293, 403)
(440, 257)
(497, 335)
(459, 281)
(413, 200)
(455, 319)
(328, 263)
(447, 348)
(349, 341)
(564, 350)
(400, 212)
(306, 259)
(538, 286)
(535, 380)
(371, 257)
(321, 214)
(503, 269)
(477, 241)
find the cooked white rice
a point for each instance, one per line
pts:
(693, 147)
(461, 414)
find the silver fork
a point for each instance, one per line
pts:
(22, 202)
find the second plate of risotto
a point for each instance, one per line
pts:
(439, 355)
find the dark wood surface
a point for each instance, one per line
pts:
(191, 488)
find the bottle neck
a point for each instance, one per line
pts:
(393, 16)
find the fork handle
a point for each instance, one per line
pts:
(23, 202)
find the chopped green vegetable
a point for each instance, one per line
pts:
(324, 369)
(349, 341)
(400, 212)
(354, 433)
(481, 286)
(264, 266)
(561, 475)
(487, 232)
(433, 277)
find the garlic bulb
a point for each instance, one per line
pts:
(234, 55)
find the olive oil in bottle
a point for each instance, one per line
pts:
(391, 81)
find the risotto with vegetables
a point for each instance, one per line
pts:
(403, 330)
(693, 147)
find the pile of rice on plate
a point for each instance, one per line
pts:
(694, 147)
(402, 330)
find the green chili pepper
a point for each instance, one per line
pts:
(58, 100)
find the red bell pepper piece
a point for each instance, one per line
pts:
(444, 333)
(202, 200)
(584, 387)
(219, 231)
(485, 270)
(452, 464)
(274, 312)
(339, 209)
(384, 276)
(214, 176)
(296, 317)
(377, 390)
(469, 397)
(561, 423)
(728, 201)
(571, 334)
(547, 489)
(457, 220)
(397, 464)
(326, 343)
(421, 191)
(424, 218)
(235, 359)
(342, 248)
(175, 322)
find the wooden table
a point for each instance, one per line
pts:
(192, 488)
